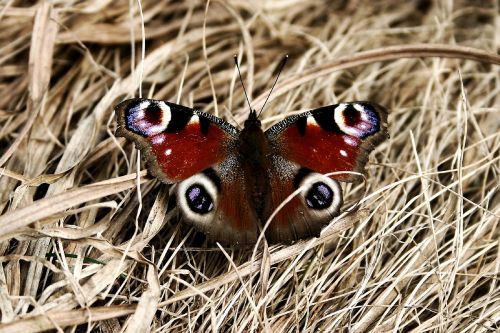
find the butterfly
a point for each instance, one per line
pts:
(230, 181)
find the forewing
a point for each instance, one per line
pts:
(333, 138)
(178, 142)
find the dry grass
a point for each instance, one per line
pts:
(82, 249)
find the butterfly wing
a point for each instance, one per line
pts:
(334, 138)
(216, 202)
(178, 142)
(197, 151)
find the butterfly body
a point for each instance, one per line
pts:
(231, 182)
(254, 156)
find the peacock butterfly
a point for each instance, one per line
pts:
(230, 181)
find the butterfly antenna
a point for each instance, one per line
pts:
(241, 80)
(283, 62)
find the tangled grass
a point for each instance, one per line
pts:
(87, 240)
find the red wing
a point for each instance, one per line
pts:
(293, 188)
(177, 141)
(216, 202)
(331, 139)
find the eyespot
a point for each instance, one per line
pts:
(198, 199)
(321, 193)
(359, 120)
(319, 196)
(148, 117)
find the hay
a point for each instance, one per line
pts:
(81, 247)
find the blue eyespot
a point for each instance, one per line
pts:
(319, 196)
(356, 119)
(198, 199)
(148, 118)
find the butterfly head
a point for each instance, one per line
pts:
(252, 120)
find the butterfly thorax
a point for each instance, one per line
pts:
(253, 143)
(254, 154)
